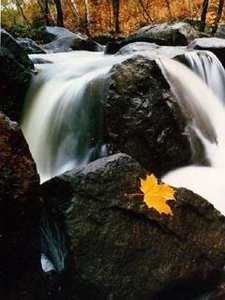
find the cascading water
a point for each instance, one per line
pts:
(209, 68)
(206, 114)
(63, 121)
(64, 125)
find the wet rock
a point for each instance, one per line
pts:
(65, 41)
(104, 38)
(58, 32)
(15, 75)
(114, 46)
(39, 60)
(215, 45)
(122, 249)
(19, 209)
(220, 32)
(131, 48)
(68, 44)
(177, 34)
(143, 118)
(30, 46)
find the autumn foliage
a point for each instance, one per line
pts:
(98, 16)
(156, 195)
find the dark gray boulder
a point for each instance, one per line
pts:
(40, 60)
(177, 34)
(124, 250)
(68, 44)
(65, 41)
(131, 48)
(19, 211)
(30, 46)
(58, 32)
(143, 118)
(220, 32)
(164, 34)
(213, 44)
(15, 75)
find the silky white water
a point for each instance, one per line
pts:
(63, 120)
(209, 68)
(206, 114)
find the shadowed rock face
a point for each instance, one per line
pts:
(15, 75)
(220, 32)
(124, 250)
(142, 117)
(177, 34)
(19, 211)
(29, 46)
(65, 41)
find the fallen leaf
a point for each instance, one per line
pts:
(156, 195)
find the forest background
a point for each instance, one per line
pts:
(25, 18)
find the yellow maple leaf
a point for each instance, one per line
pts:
(156, 195)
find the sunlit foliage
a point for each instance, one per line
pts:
(97, 16)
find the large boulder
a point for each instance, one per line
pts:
(213, 44)
(57, 32)
(177, 34)
(65, 41)
(124, 250)
(19, 209)
(30, 46)
(15, 75)
(143, 118)
(220, 32)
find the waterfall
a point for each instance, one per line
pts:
(63, 118)
(209, 68)
(64, 121)
(206, 114)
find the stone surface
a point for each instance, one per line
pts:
(122, 249)
(164, 34)
(15, 75)
(131, 48)
(215, 45)
(220, 32)
(67, 44)
(39, 60)
(65, 41)
(30, 46)
(58, 32)
(19, 208)
(142, 116)
(177, 34)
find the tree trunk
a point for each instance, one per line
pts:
(219, 13)
(205, 5)
(44, 10)
(169, 8)
(59, 13)
(145, 10)
(86, 17)
(19, 6)
(116, 14)
(75, 9)
(46, 13)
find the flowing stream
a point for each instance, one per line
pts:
(64, 123)
(63, 120)
(202, 98)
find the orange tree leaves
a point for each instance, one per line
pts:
(156, 195)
